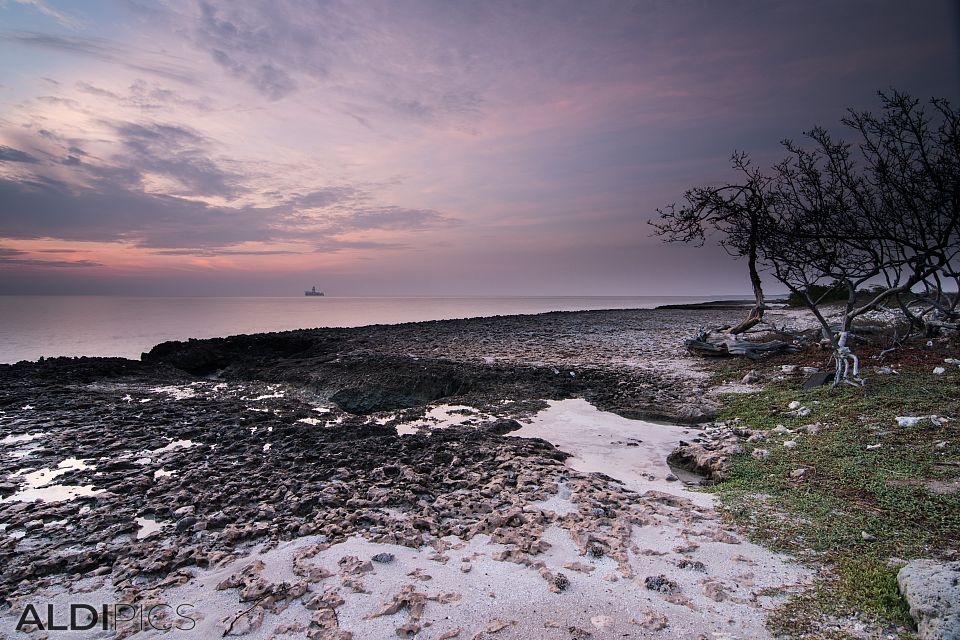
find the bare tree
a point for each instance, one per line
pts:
(732, 210)
(878, 218)
(882, 213)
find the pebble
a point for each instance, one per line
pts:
(601, 622)
(661, 583)
(909, 421)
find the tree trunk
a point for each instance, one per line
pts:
(723, 345)
(756, 314)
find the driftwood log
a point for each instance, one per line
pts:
(724, 345)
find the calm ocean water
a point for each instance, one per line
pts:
(35, 326)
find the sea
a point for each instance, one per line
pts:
(46, 326)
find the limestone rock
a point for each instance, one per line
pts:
(932, 589)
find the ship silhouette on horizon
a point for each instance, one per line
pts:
(313, 292)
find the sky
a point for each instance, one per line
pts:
(405, 147)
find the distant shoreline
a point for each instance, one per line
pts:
(52, 326)
(718, 304)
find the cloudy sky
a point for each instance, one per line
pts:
(412, 147)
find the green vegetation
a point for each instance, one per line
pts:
(820, 294)
(859, 510)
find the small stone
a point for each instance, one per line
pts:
(790, 444)
(715, 590)
(579, 566)
(499, 625)
(561, 582)
(760, 454)
(383, 558)
(932, 590)
(408, 630)
(185, 523)
(909, 421)
(652, 621)
(939, 371)
(660, 583)
(601, 622)
(671, 478)
(868, 537)
(798, 474)
(692, 565)
(752, 377)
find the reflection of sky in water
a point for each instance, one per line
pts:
(23, 437)
(148, 526)
(38, 485)
(439, 417)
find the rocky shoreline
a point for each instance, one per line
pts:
(279, 463)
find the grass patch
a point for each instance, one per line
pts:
(864, 500)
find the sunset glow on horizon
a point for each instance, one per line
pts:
(371, 148)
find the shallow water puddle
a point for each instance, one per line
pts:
(146, 457)
(27, 441)
(23, 437)
(177, 393)
(317, 421)
(632, 451)
(39, 487)
(266, 396)
(442, 416)
(148, 526)
(175, 444)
